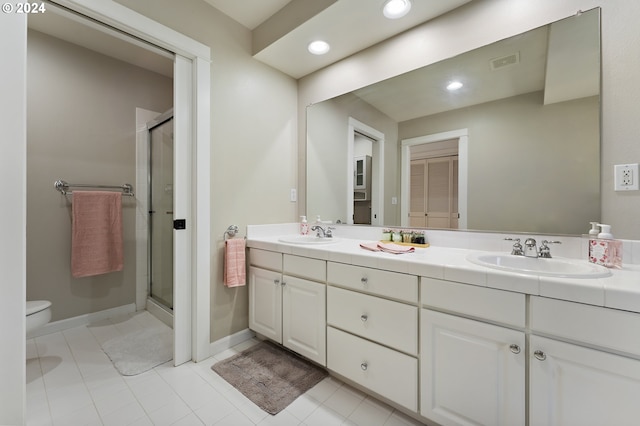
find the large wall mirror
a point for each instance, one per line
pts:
(515, 149)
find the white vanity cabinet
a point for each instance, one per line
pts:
(372, 330)
(593, 377)
(287, 301)
(449, 352)
(472, 372)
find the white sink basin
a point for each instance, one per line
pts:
(307, 239)
(554, 267)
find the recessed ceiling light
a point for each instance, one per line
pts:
(454, 85)
(394, 9)
(318, 47)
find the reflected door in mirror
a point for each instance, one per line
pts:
(434, 193)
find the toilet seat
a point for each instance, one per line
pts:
(35, 306)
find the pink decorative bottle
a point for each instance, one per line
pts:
(304, 226)
(605, 250)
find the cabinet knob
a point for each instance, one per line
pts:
(276, 282)
(364, 317)
(283, 284)
(514, 348)
(364, 280)
(364, 366)
(540, 356)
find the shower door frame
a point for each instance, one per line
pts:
(160, 120)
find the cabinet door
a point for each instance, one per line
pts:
(471, 373)
(304, 318)
(265, 303)
(572, 385)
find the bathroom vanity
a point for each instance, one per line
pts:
(450, 341)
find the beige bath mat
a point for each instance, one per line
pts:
(269, 376)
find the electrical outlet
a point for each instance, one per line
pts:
(626, 177)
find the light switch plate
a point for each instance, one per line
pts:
(625, 177)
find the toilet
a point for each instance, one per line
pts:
(38, 314)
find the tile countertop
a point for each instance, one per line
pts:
(621, 290)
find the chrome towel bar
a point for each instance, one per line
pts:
(64, 187)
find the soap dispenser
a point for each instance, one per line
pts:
(604, 249)
(304, 226)
(605, 232)
(594, 231)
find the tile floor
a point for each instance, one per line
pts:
(70, 381)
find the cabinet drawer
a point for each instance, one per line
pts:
(305, 267)
(593, 325)
(265, 259)
(487, 303)
(384, 371)
(374, 281)
(390, 323)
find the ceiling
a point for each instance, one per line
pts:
(562, 59)
(281, 30)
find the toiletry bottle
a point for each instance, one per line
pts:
(318, 221)
(604, 249)
(594, 231)
(304, 226)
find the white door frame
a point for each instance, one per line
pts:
(377, 190)
(405, 171)
(192, 107)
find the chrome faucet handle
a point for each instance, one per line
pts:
(545, 251)
(517, 247)
(329, 234)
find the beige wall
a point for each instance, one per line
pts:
(80, 128)
(483, 22)
(526, 159)
(253, 139)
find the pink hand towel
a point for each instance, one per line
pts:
(234, 263)
(387, 248)
(96, 234)
(395, 248)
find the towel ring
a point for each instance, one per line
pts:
(231, 232)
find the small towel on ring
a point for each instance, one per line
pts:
(234, 263)
(96, 233)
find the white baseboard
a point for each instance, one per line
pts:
(230, 341)
(80, 320)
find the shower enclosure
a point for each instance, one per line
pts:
(160, 249)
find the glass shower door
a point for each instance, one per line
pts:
(161, 213)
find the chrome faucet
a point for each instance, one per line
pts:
(530, 248)
(321, 232)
